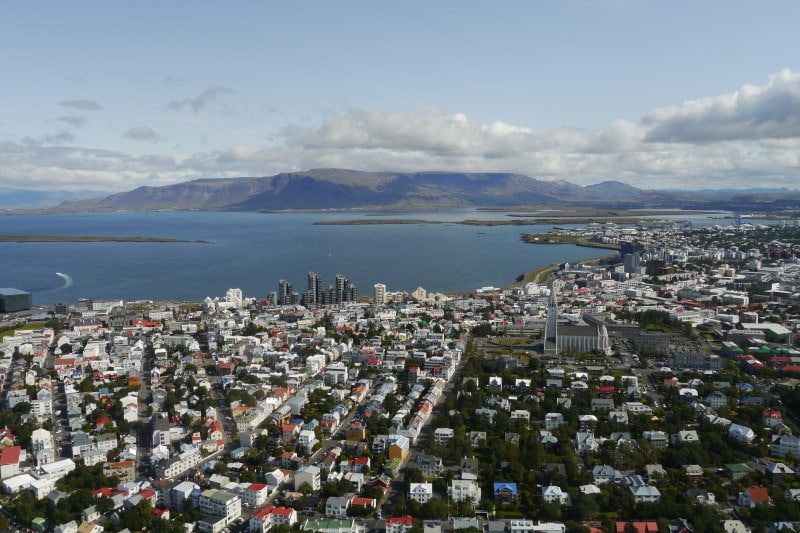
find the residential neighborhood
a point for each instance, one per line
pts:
(653, 390)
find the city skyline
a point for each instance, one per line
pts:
(106, 98)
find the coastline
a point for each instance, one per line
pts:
(474, 222)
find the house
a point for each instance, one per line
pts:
(716, 399)
(477, 439)
(777, 471)
(737, 471)
(443, 436)
(602, 404)
(220, 504)
(421, 492)
(363, 503)
(547, 439)
(735, 526)
(308, 474)
(253, 494)
(618, 416)
(786, 445)
(741, 433)
(505, 492)
(702, 496)
(553, 421)
(645, 494)
(641, 526)
(462, 490)
(585, 442)
(752, 496)
(10, 459)
(771, 417)
(429, 465)
(337, 506)
(399, 524)
(333, 526)
(262, 520)
(126, 470)
(653, 472)
(605, 474)
(657, 439)
(399, 447)
(637, 408)
(693, 472)
(554, 494)
(685, 437)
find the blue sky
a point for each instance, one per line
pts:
(108, 96)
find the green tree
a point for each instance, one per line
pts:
(139, 517)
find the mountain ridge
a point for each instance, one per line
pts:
(334, 188)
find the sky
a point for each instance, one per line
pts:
(109, 96)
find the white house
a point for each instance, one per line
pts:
(462, 490)
(554, 494)
(553, 420)
(645, 494)
(741, 433)
(421, 492)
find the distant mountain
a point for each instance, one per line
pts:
(30, 199)
(338, 188)
(331, 188)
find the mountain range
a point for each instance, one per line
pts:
(331, 188)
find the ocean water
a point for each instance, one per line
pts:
(252, 251)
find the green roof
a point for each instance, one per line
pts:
(738, 467)
(316, 525)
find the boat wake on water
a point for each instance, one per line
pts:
(67, 283)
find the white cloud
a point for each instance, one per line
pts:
(141, 133)
(770, 111)
(750, 137)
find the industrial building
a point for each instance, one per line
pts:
(13, 300)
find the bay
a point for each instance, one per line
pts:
(252, 251)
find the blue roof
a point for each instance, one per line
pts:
(505, 486)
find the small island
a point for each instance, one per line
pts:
(89, 238)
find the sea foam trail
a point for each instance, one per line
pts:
(67, 280)
(67, 283)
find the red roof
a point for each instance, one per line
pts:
(147, 493)
(605, 389)
(10, 455)
(256, 486)
(641, 527)
(103, 491)
(407, 520)
(758, 494)
(261, 514)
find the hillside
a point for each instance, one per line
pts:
(339, 188)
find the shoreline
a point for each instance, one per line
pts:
(551, 221)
